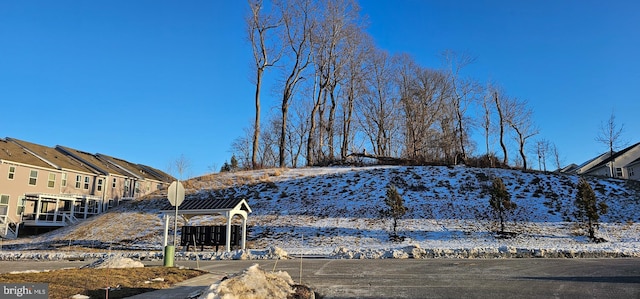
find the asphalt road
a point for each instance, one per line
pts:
(437, 278)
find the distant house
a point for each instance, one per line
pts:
(42, 188)
(633, 170)
(623, 164)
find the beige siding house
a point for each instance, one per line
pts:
(622, 164)
(42, 188)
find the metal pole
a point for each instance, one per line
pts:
(175, 220)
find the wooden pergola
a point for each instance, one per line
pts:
(200, 207)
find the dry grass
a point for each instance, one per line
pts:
(93, 282)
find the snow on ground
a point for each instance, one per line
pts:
(115, 262)
(334, 211)
(252, 283)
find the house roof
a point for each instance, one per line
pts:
(209, 206)
(91, 159)
(10, 151)
(159, 174)
(52, 156)
(636, 161)
(615, 155)
(133, 169)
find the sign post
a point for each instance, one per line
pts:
(175, 194)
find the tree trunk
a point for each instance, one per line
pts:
(330, 131)
(256, 125)
(283, 134)
(505, 161)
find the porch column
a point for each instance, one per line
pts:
(228, 245)
(86, 207)
(244, 231)
(73, 209)
(55, 212)
(38, 207)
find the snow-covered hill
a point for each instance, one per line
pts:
(322, 210)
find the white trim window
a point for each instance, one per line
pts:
(618, 172)
(20, 207)
(113, 185)
(33, 177)
(12, 172)
(631, 172)
(78, 181)
(86, 183)
(64, 179)
(99, 187)
(51, 183)
(4, 204)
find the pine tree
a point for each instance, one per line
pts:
(589, 209)
(500, 201)
(234, 163)
(225, 167)
(396, 208)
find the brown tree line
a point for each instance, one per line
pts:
(340, 94)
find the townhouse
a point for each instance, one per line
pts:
(43, 188)
(623, 164)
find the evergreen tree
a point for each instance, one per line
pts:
(395, 207)
(500, 201)
(225, 167)
(234, 163)
(589, 209)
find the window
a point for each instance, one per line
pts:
(86, 183)
(52, 180)
(114, 183)
(44, 207)
(631, 173)
(126, 187)
(20, 208)
(33, 177)
(12, 172)
(4, 204)
(78, 181)
(618, 172)
(99, 185)
(137, 187)
(64, 180)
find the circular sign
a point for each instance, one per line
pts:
(175, 194)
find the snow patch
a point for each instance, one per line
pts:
(252, 283)
(115, 262)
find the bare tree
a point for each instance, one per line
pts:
(179, 167)
(487, 123)
(610, 135)
(500, 102)
(542, 147)
(298, 22)
(379, 108)
(358, 46)
(259, 25)
(556, 156)
(422, 93)
(463, 93)
(520, 120)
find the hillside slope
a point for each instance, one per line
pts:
(315, 210)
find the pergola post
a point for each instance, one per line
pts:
(228, 210)
(228, 245)
(244, 232)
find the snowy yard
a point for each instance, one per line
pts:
(333, 211)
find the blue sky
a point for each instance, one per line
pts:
(149, 81)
